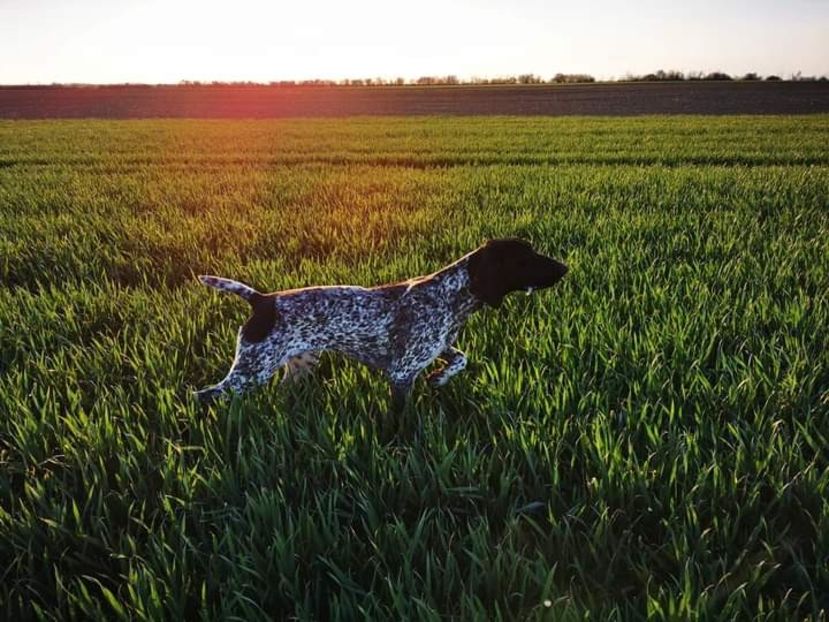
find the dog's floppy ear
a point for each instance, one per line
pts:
(486, 279)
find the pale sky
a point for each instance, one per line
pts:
(158, 41)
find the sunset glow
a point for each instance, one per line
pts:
(121, 41)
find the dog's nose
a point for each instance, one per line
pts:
(559, 269)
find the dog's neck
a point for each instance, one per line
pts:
(454, 283)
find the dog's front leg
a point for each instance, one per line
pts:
(299, 367)
(401, 389)
(400, 394)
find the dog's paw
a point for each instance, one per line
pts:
(437, 378)
(206, 396)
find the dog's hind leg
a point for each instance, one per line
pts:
(254, 365)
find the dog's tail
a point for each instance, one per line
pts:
(234, 287)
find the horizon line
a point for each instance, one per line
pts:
(517, 79)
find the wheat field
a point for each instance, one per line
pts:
(648, 439)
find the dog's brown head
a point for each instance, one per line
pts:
(510, 265)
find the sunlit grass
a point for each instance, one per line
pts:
(648, 438)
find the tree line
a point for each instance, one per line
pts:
(660, 75)
(453, 80)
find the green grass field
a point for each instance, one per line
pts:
(650, 438)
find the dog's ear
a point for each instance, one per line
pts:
(486, 276)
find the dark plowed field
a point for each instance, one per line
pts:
(267, 102)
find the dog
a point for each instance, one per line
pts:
(399, 328)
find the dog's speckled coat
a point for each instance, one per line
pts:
(398, 328)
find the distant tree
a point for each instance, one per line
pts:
(316, 82)
(660, 75)
(500, 80)
(750, 76)
(772, 78)
(433, 80)
(799, 77)
(672, 75)
(717, 76)
(529, 78)
(572, 78)
(399, 82)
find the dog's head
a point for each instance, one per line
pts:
(510, 265)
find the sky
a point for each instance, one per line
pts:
(166, 41)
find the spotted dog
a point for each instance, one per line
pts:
(398, 328)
